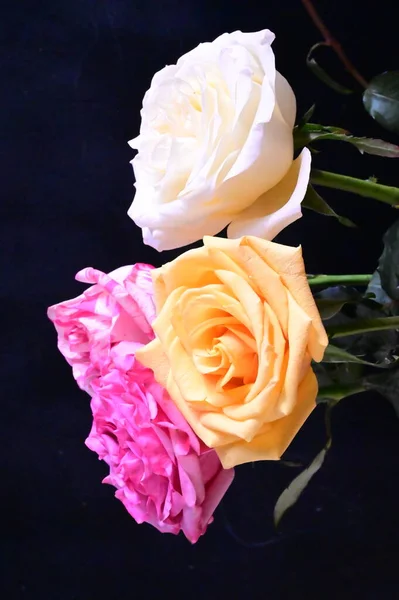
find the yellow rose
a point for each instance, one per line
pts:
(237, 328)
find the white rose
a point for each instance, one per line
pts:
(216, 146)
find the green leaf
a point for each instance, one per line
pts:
(377, 347)
(388, 264)
(306, 117)
(386, 384)
(314, 133)
(317, 128)
(334, 354)
(375, 288)
(291, 494)
(331, 375)
(291, 463)
(322, 75)
(313, 201)
(358, 326)
(331, 300)
(328, 308)
(334, 393)
(339, 355)
(381, 100)
(373, 146)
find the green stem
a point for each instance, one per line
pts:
(337, 392)
(363, 326)
(339, 279)
(362, 187)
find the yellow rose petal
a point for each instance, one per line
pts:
(237, 328)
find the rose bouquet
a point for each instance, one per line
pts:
(218, 357)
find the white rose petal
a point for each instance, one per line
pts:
(216, 135)
(271, 213)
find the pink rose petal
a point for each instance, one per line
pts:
(163, 473)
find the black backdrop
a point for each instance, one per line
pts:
(74, 74)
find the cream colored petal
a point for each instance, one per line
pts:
(193, 314)
(218, 422)
(262, 400)
(168, 238)
(229, 397)
(264, 280)
(288, 263)
(250, 306)
(185, 375)
(212, 438)
(264, 160)
(271, 444)
(192, 269)
(277, 208)
(222, 300)
(285, 100)
(202, 332)
(153, 357)
(299, 327)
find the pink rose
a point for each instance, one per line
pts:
(118, 307)
(163, 473)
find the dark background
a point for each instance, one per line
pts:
(73, 77)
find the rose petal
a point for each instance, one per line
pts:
(272, 444)
(278, 207)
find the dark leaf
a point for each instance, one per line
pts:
(381, 100)
(361, 326)
(331, 374)
(322, 75)
(331, 300)
(387, 384)
(324, 373)
(333, 394)
(374, 287)
(388, 264)
(313, 201)
(328, 308)
(306, 117)
(377, 347)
